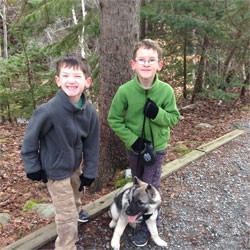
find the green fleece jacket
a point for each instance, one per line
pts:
(126, 113)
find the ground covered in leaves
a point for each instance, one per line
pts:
(16, 189)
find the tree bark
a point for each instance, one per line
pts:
(200, 73)
(119, 26)
(246, 74)
(185, 67)
(5, 32)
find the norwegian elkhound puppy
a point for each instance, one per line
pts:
(134, 200)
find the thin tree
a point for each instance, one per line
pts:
(119, 27)
(201, 69)
(5, 32)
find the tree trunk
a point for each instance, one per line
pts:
(5, 32)
(119, 25)
(185, 67)
(246, 74)
(201, 68)
(143, 22)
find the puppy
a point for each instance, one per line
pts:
(132, 201)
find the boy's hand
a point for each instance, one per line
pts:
(37, 176)
(84, 182)
(147, 153)
(150, 109)
(139, 144)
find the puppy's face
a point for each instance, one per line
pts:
(144, 198)
(139, 203)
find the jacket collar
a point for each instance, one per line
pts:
(63, 100)
(140, 87)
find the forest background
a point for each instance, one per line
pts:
(206, 58)
(205, 42)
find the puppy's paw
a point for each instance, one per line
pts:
(161, 242)
(115, 244)
(112, 224)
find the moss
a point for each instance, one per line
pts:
(182, 149)
(122, 181)
(29, 205)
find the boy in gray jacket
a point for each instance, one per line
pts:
(61, 134)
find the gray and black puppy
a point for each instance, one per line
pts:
(132, 201)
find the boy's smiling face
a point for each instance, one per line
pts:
(73, 82)
(151, 64)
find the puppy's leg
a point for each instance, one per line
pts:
(119, 229)
(112, 224)
(114, 214)
(152, 227)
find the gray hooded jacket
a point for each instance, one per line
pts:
(59, 136)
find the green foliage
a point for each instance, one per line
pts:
(91, 25)
(40, 14)
(25, 83)
(94, 90)
(30, 204)
(122, 181)
(182, 149)
(27, 76)
(66, 45)
(184, 24)
(43, 30)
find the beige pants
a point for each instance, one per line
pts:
(67, 202)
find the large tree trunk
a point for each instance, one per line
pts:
(119, 33)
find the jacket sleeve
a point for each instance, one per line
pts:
(168, 114)
(38, 125)
(116, 119)
(91, 148)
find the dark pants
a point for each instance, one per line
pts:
(150, 174)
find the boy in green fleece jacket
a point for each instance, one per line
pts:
(141, 114)
(61, 134)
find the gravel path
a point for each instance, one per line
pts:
(206, 205)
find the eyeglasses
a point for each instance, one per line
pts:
(142, 61)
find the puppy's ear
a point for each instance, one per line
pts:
(137, 181)
(151, 190)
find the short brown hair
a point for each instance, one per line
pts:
(69, 61)
(148, 44)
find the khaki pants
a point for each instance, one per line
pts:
(67, 202)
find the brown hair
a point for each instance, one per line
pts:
(148, 44)
(73, 62)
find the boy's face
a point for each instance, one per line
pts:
(73, 82)
(146, 64)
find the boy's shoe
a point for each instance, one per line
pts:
(80, 248)
(140, 239)
(83, 216)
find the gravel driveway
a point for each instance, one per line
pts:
(206, 205)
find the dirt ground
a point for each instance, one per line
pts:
(16, 189)
(205, 206)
